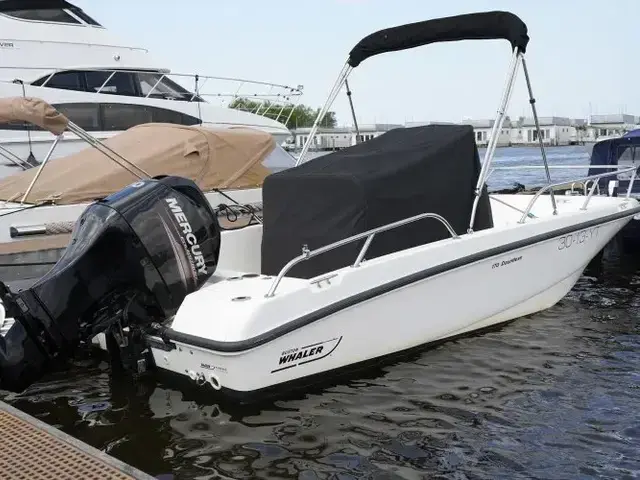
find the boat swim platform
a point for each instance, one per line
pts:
(32, 450)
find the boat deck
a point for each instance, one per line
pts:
(32, 450)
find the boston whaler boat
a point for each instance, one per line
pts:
(374, 236)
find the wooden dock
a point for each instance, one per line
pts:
(32, 450)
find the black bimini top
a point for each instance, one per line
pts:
(472, 26)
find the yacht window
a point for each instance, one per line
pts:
(64, 80)
(119, 116)
(18, 126)
(79, 13)
(121, 83)
(43, 15)
(85, 115)
(165, 88)
(164, 115)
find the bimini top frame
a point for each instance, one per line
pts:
(473, 26)
(38, 112)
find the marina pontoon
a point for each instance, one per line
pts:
(372, 251)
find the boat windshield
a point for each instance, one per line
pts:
(628, 156)
(155, 85)
(151, 84)
(49, 13)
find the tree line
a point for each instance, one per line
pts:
(301, 117)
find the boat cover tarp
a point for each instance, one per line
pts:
(214, 158)
(623, 150)
(402, 173)
(34, 111)
(470, 26)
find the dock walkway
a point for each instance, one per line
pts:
(32, 450)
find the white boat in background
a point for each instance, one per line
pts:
(362, 254)
(56, 52)
(40, 206)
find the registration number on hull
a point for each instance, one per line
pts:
(578, 238)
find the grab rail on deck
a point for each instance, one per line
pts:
(586, 201)
(308, 254)
(585, 186)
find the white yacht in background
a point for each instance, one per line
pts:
(60, 54)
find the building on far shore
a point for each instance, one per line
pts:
(555, 131)
(612, 125)
(326, 138)
(482, 130)
(580, 134)
(339, 137)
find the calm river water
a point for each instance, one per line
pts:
(551, 396)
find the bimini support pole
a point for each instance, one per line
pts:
(42, 165)
(342, 77)
(495, 132)
(108, 152)
(532, 101)
(353, 111)
(13, 158)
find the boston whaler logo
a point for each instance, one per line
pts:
(308, 353)
(188, 239)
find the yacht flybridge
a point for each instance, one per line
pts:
(56, 52)
(335, 281)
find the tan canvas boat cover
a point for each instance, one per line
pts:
(214, 158)
(34, 111)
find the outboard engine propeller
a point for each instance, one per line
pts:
(134, 255)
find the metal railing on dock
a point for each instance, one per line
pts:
(32, 450)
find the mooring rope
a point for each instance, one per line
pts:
(57, 228)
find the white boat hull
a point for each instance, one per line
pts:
(12, 214)
(387, 305)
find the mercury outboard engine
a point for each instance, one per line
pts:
(134, 255)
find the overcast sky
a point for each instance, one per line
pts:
(582, 55)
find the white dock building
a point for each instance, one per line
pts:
(610, 125)
(482, 130)
(553, 130)
(340, 137)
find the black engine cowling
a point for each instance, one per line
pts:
(139, 251)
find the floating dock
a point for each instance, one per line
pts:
(32, 450)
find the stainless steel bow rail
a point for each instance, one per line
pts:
(591, 190)
(573, 182)
(308, 254)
